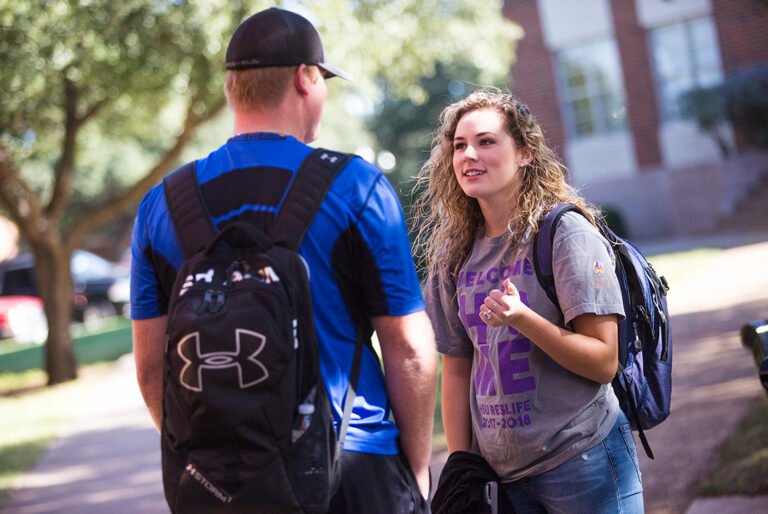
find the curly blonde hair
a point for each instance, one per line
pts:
(445, 219)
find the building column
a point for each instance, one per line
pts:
(636, 65)
(532, 76)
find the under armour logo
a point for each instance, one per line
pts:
(328, 157)
(248, 345)
(267, 275)
(190, 280)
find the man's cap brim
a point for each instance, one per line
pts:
(334, 71)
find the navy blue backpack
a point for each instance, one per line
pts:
(643, 382)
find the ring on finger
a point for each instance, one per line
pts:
(487, 314)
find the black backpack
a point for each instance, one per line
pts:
(643, 383)
(247, 424)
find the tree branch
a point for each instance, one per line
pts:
(90, 112)
(20, 200)
(64, 169)
(111, 208)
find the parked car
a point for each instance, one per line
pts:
(22, 318)
(100, 286)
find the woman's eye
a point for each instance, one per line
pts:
(486, 141)
(459, 146)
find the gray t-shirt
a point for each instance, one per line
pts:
(529, 414)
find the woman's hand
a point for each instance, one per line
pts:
(502, 307)
(590, 350)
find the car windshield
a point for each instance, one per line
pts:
(85, 264)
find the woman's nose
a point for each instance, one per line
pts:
(470, 153)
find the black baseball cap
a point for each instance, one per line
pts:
(276, 37)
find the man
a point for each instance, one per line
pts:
(357, 250)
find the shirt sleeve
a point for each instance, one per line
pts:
(144, 283)
(443, 312)
(583, 266)
(395, 289)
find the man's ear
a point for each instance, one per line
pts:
(302, 79)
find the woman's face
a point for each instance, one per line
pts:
(486, 160)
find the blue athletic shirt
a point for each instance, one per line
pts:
(357, 249)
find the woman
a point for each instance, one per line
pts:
(526, 387)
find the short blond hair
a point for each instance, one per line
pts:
(257, 88)
(261, 88)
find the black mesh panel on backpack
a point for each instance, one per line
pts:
(241, 358)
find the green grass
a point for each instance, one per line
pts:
(105, 343)
(9, 346)
(19, 382)
(742, 464)
(681, 267)
(33, 416)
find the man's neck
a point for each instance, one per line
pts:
(275, 121)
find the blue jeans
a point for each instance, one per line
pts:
(603, 480)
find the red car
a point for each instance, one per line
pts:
(22, 318)
(101, 286)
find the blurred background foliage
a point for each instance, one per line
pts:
(741, 99)
(129, 69)
(101, 99)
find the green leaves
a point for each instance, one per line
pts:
(114, 59)
(398, 42)
(103, 87)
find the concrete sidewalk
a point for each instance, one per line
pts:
(108, 460)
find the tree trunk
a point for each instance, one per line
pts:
(54, 284)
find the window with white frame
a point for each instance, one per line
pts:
(685, 56)
(591, 88)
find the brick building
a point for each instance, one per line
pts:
(603, 78)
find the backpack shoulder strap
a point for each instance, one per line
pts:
(187, 209)
(312, 182)
(349, 397)
(543, 245)
(192, 221)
